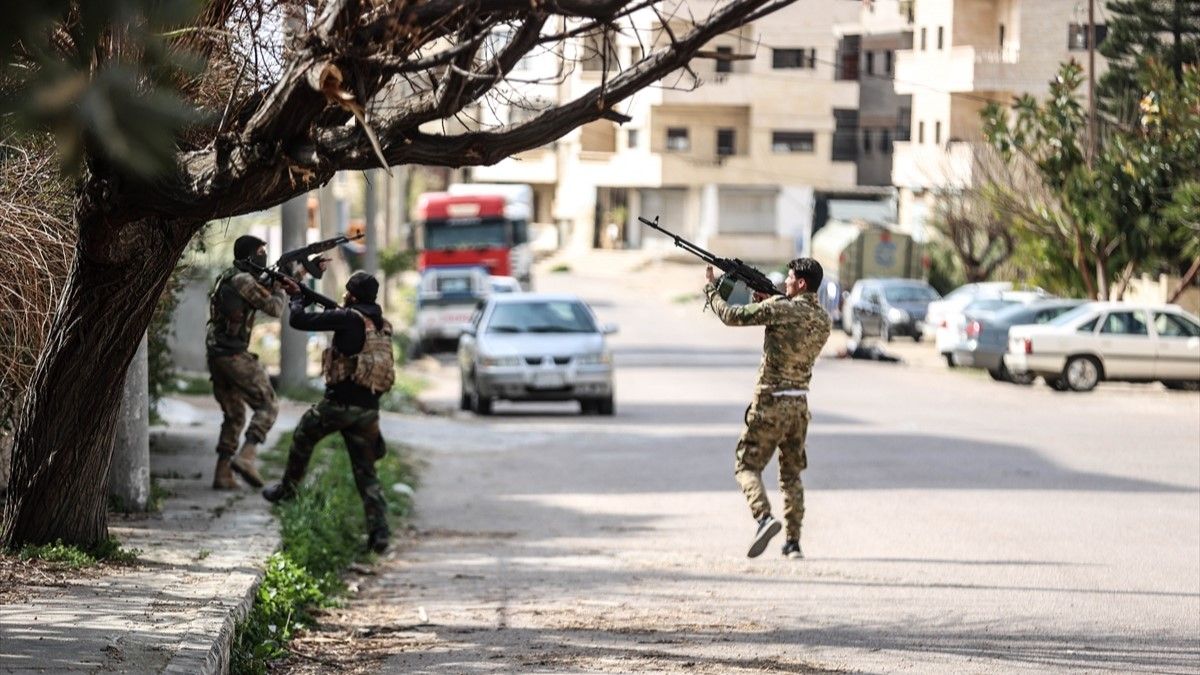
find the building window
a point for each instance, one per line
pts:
(724, 59)
(941, 35)
(921, 131)
(937, 132)
(885, 141)
(726, 142)
(887, 59)
(792, 141)
(870, 63)
(793, 58)
(1001, 36)
(866, 134)
(631, 138)
(923, 43)
(845, 135)
(677, 139)
(1077, 36)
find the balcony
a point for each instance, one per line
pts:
(716, 89)
(924, 166)
(958, 69)
(539, 165)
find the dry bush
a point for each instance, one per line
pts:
(36, 246)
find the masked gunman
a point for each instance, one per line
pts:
(796, 330)
(358, 367)
(238, 379)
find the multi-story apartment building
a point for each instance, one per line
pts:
(884, 28)
(966, 53)
(737, 163)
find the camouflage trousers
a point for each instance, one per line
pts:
(773, 422)
(360, 430)
(239, 381)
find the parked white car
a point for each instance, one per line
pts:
(945, 316)
(1110, 341)
(536, 347)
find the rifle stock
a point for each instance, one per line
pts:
(731, 267)
(309, 294)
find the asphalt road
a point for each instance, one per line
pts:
(954, 525)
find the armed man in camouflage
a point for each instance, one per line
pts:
(796, 330)
(238, 379)
(358, 368)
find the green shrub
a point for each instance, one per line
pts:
(321, 533)
(560, 268)
(72, 556)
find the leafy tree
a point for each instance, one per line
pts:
(173, 118)
(1166, 31)
(1098, 222)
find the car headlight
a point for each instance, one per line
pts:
(897, 315)
(500, 361)
(594, 359)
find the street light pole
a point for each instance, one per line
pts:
(1091, 44)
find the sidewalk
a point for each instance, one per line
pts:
(175, 610)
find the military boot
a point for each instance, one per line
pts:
(243, 464)
(223, 475)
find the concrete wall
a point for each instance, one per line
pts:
(1149, 290)
(190, 323)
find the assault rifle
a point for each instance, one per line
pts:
(309, 294)
(732, 267)
(300, 256)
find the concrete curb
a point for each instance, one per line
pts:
(202, 654)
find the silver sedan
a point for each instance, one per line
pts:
(536, 347)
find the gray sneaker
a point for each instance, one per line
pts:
(791, 549)
(767, 527)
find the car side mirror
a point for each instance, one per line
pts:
(608, 328)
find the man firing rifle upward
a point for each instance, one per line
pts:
(796, 328)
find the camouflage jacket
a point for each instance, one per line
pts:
(796, 330)
(235, 299)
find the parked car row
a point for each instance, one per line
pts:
(1018, 335)
(1100, 341)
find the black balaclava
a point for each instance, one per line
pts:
(363, 287)
(246, 246)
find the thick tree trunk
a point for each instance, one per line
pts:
(63, 441)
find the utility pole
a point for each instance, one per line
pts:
(293, 357)
(1091, 44)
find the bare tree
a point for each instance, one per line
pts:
(981, 235)
(361, 84)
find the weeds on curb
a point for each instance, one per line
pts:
(322, 532)
(72, 556)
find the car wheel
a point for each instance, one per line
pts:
(587, 406)
(1023, 379)
(1056, 383)
(1181, 385)
(1082, 373)
(606, 406)
(917, 336)
(998, 374)
(480, 404)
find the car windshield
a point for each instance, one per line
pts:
(909, 293)
(446, 235)
(541, 316)
(989, 305)
(1067, 318)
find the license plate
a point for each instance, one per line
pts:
(548, 381)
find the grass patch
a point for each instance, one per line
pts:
(403, 396)
(303, 393)
(560, 268)
(72, 556)
(322, 533)
(196, 385)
